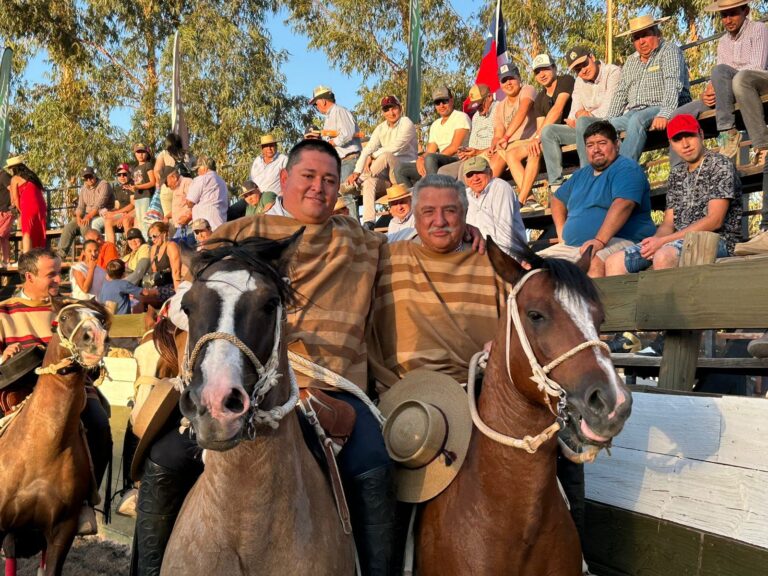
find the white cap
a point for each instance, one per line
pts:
(542, 61)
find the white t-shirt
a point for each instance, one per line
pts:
(99, 274)
(442, 133)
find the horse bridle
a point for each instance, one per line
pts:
(268, 376)
(67, 342)
(545, 384)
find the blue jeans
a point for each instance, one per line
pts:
(408, 175)
(348, 166)
(635, 263)
(141, 205)
(635, 123)
(553, 136)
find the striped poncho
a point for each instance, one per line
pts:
(26, 322)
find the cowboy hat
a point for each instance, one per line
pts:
(14, 161)
(339, 204)
(427, 432)
(721, 5)
(268, 139)
(396, 192)
(641, 23)
(151, 416)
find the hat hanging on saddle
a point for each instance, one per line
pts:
(150, 416)
(427, 433)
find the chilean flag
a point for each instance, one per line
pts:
(494, 55)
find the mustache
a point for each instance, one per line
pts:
(449, 229)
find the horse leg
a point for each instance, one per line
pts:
(59, 542)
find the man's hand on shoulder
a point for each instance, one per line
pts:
(473, 235)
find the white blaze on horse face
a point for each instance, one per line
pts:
(222, 363)
(578, 309)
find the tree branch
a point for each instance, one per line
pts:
(114, 61)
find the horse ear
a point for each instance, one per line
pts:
(505, 266)
(287, 249)
(585, 260)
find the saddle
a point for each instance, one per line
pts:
(335, 417)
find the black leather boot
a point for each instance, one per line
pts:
(372, 505)
(161, 494)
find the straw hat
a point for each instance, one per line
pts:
(641, 23)
(14, 161)
(339, 204)
(427, 433)
(152, 416)
(721, 5)
(268, 139)
(396, 192)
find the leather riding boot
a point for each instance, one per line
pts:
(161, 494)
(372, 502)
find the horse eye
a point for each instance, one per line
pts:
(535, 316)
(271, 305)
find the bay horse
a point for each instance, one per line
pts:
(504, 514)
(45, 475)
(262, 504)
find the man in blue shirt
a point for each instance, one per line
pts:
(117, 289)
(605, 206)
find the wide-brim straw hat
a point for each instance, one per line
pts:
(396, 192)
(721, 5)
(427, 433)
(641, 23)
(268, 139)
(151, 418)
(13, 161)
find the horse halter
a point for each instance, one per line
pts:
(546, 385)
(68, 343)
(268, 376)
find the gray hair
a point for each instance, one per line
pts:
(440, 181)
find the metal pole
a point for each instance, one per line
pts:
(609, 33)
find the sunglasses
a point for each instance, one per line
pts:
(198, 232)
(123, 174)
(154, 236)
(89, 177)
(388, 108)
(440, 101)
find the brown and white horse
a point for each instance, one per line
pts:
(262, 505)
(504, 513)
(45, 474)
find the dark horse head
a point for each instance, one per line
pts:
(560, 310)
(239, 290)
(84, 324)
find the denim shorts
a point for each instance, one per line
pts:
(635, 263)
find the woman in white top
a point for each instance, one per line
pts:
(86, 277)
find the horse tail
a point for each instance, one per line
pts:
(165, 343)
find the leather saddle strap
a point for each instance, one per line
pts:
(333, 469)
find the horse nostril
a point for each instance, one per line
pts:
(234, 402)
(596, 402)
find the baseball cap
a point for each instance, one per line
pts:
(133, 234)
(205, 161)
(199, 224)
(441, 93)
(542, 61)
(88, 171)
(682, 124)
(507, 70)
(248, 187)
(140, 148)
(320, 92)
(123, 168)
(477, 94)
(390, 101)
(475, 164)
(576, 56)
(166, 171)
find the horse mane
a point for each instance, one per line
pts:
(164, 339)
(255, 254)
(564, 274)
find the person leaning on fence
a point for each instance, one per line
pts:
(393, 141)
(95, 196)
(605, 206)
(596, 82)
(654, 83)
(446, 135)
(483, 102)
(744, 47)
(703, 195)
(27, 197)
(552, 106)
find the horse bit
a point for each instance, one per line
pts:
(540, 376)
(268, 376)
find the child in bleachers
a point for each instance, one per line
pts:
(118, 290)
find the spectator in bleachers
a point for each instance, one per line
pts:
(605, 206)
(144, 183)
(137, 258)
(482, 100)
(654, 82)
(552, 106)
(201, 229)
(258, 202)
(493, 207)
(180, 214)
(743, 47)
(6, 218)
(340, 129)
(87, 276)
(208, 196)
(107, 250)
(27, 197)
(94, 196)
(595, 85)
(265, 170)
(393, 142)
(121, 213)
(398, 199)
(703, 195)
(446, 135)
(514, 119)
(117, 289)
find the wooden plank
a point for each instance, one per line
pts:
(623, 543)
(127, 326)
(619, 295)
(729, 365)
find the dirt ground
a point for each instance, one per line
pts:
(90, 556)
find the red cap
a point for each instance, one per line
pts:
(123, 168)
(682, 124)
(390, 101)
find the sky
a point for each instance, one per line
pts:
(304, 69)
